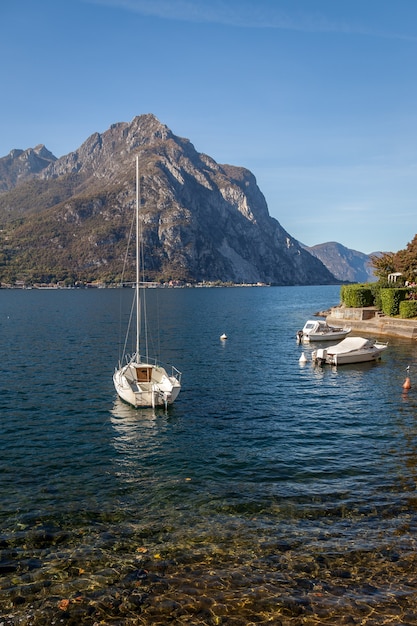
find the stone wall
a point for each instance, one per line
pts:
(368, 320)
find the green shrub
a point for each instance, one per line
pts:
(391, 299)
(408, 308)
(356, 295)
(376, 292)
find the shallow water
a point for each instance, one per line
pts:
(271, 492)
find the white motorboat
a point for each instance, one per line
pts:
(318, 330)
(350, 350)
(141, 381)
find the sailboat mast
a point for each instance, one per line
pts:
(137, 259)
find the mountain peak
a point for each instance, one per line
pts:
(21, 165)
(202, 221)
(346, 264)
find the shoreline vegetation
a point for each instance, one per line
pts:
(387, 307)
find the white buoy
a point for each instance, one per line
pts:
(224, 336)
(302, 358)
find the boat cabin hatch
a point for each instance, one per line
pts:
(144, 374)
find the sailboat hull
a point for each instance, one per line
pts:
(145, 385)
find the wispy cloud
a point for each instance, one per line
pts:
(249, 14)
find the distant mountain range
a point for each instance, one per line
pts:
(68, 219)
(345, 264)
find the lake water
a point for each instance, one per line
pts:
(270, 493)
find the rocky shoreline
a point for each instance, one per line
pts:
(371, 320)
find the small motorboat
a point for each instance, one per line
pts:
(350, 350)
(317, 330)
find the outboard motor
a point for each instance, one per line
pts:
(319, 356)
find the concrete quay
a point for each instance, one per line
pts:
(370, 320)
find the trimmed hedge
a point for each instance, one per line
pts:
(376, 292)
(408, 309)
(356, 295)
(391, 299)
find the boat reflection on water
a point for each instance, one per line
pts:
(130, 423)
(124, 412)
(137, 431)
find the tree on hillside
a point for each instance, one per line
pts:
(383, 264)
(404, 261)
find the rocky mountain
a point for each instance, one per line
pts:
(345, 264)
(21, 165)
(69, 218)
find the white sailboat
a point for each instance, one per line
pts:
(143, 382)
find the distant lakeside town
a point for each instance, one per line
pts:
(172, 284)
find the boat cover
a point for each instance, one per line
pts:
(349, 345)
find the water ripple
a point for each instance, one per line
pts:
(269, 493)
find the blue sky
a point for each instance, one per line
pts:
(318, 98)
